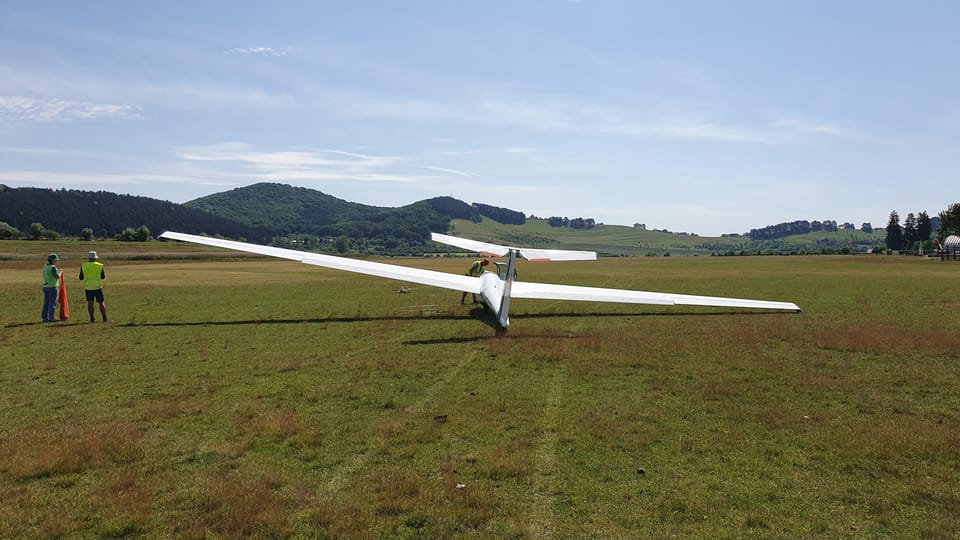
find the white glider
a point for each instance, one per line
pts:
(496, 290)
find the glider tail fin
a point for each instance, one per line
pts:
(503, 317)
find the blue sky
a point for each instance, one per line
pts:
(706, 117)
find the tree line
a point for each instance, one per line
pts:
(575, 223)
(70, 212)
(918, 231)
(782, 230)
(38, 232)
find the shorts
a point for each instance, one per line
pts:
(94, 295)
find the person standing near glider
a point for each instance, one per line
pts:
(51, 288)
(475, 270)
(92, 276)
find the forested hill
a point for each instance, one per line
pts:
(107, 214)
(262, 213)
(285, 210)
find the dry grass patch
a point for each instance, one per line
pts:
(238, 504)
(887, 338)
(169, 407)
(43, 451)
(396, 490)
(503, 462)
(125, 504)
(279, 425)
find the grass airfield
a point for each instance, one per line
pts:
(266, 398)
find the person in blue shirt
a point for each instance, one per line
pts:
(51, 288)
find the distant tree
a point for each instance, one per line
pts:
(866, 227)
(909, 230)
(127, 235)
(501, 215)
(781, 230)
(86, 234)
(556, 221)
(341, 244)
(103, 233)
(36, 231)
(949, 221)
(894, 233)
(9, 232)
(924, 226)
(142, 234)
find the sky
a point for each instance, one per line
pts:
(706, 117)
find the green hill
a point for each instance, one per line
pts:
(307, 217)
(283, 209)
(107, 214)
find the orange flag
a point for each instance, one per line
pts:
(64, 301)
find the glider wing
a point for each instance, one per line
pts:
(544, 291)
(402, 273)
(527, 253)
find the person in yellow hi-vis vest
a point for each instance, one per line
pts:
(92, 276)
(475, 270)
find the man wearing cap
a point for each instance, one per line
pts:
(92, 276)
(476, 269)
(51, 288)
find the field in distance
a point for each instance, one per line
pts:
(267, 398)
(619, 240)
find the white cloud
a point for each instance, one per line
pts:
(548, 114)
(315, 175)
(800, 126)
(259, 51)
(18, 109)
(47, 178)
(451, 171)
(308, 165)
(87, 92)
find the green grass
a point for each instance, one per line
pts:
(266, 398)
(620, 240)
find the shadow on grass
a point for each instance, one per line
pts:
(299, 321)
(475, 314)
(52, 324)
(504, 334)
